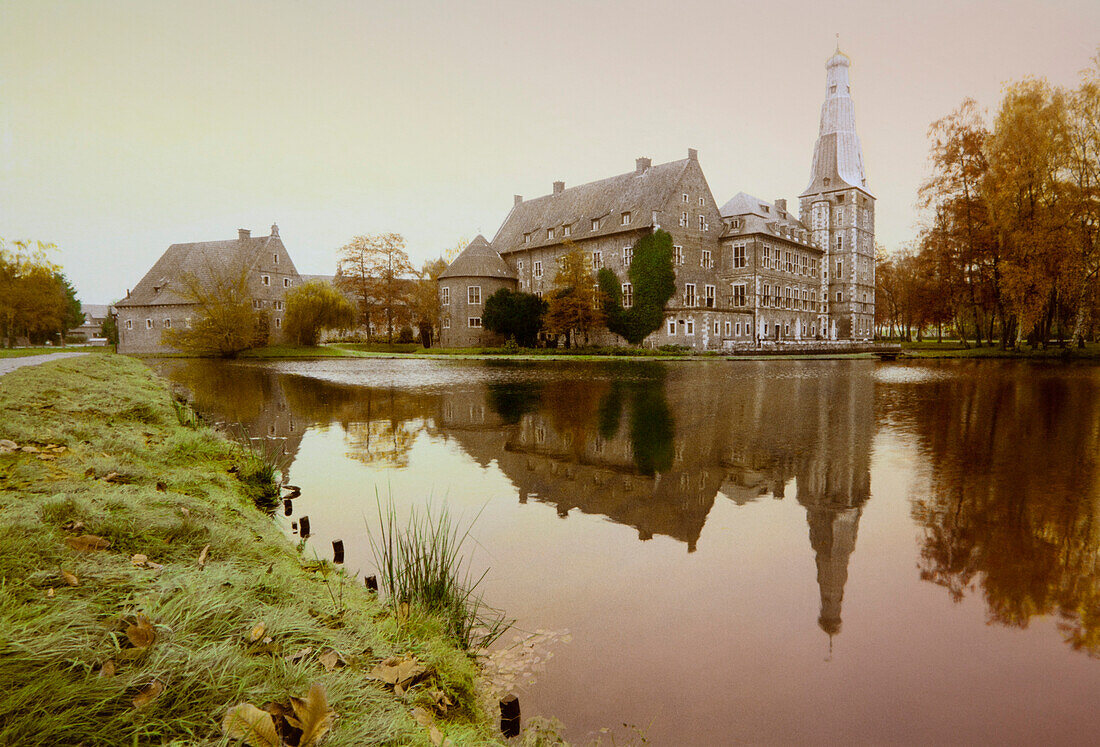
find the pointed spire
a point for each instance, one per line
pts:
(838, 155)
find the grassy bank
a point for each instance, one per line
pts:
(194, 600)
(955, 349)
(45, 350)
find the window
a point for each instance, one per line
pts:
(683, 218)
(728, 324)
(265, 279)
(832, 88)
(787, 329)
(129, 324)
(628, 256)
(597, 260)
(628, 295)
(701, 202)
(736, 222)
(685, 197)
(690, 327)
(716, 328)
(519, 266)
(702, 223)
(765, 329)
(595, 224)
(473, 294)
(278, 323)
(689, 294)
(839, 198)
(188, 322)
(672, 326)
(708, 296)
(738, 294)
(839, 268)
(739, 259)
(705, 260)
(738, 329)
(446, 322)
(549, 234)
(840, 243)
(813, 330)
(677, 255)
(748, 328)
(538, 268)
(278, 305)
(474, 322)
(526, 238)
(597, 297)
(787, 259)
(148, 324)
(768, 257)
(445, 296)
(275, 257)
(286, 282)
(839, 296)
(567, 230)
(626, 219)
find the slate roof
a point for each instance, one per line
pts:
(761, 216)
(838, 155)
(163, 285)
(478, 260)
(606, 199)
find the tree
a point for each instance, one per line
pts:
(73, 316)
(653, 282)
(34, 302)
(226, 321)
(314, 307)
(377, 270)
(514, 314)
(109, 328)
(425, 302)
(574, 303)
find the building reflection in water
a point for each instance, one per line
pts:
(647, 445)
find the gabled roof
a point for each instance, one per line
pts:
(163, 284)
(761, 216)
(478, 260)
(640, 194)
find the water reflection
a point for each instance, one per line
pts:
(1011, 492)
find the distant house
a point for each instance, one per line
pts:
(161, 300)
(94, 316)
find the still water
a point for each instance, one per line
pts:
(773, 551)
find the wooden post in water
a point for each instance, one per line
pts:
(303, 527)
(338, 551)
(372, 583)
(509, 715)
(288, 507)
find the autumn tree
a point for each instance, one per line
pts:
(426, 305)
(652, 282)
(314, 307)
(574, 307)
(36, 301)
(226, 321)
(514, 314)
(375, 268)
(1083, 172)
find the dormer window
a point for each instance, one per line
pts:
(566, 230)
(736, 222)
(549, 234)
(526, 238)
(626, 218)
(595, 224)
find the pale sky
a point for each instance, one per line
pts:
(129, 126)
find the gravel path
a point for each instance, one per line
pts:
(8, 365)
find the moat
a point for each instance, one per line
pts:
(738, 551)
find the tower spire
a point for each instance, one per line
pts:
(838, 155)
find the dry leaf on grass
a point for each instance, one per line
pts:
(436, 735)
(7, 446)
(331, 660)
(202, 557)
(312, 715)
(116, 478)
(162, 487)
(148, 694)
(87, 543)
(299, 655)
(401, 673)
(90, 472)
(70, 578)
(49, 593)
(141, 634)
(257, 632)
(73, 526)
(247, 722)
(107, 669)
(29, 449)
(442, 702)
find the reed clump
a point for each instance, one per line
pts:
(421, 565)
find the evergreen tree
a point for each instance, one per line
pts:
(514, 314)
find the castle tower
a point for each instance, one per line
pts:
(841, 211)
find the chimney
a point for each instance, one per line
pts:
(693, 155)
(641, 164)
(781, 205)
(559, 187)
(275, 230)
(518, 199)
(243, 233)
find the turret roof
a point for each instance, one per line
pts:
(478, 260)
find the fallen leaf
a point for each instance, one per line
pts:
(87, 543)
(422, 717)
(442, 702)
(401, 673)
(162, 487)
(148, 694)
(257, 632)
(107, 669)
(141, 634)
(30, 449)
(7, 446)
(186, 512)
(202, 556)
(246, 721)
(70, 578)
(312, 715)
(299, 655)
(116, 478)
(330, 660)
(47, 457)
(139, 560)
(435, 735)
(90, 472)
(49, 593)
(73, 526)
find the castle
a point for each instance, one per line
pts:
(748, 273)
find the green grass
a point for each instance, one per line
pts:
(955, 349)
(46, 350)
(112, 415)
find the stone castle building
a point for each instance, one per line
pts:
(748, 273)
(163, 299)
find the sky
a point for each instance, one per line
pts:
(128, 126)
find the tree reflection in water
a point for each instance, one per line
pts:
(1011, 497)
